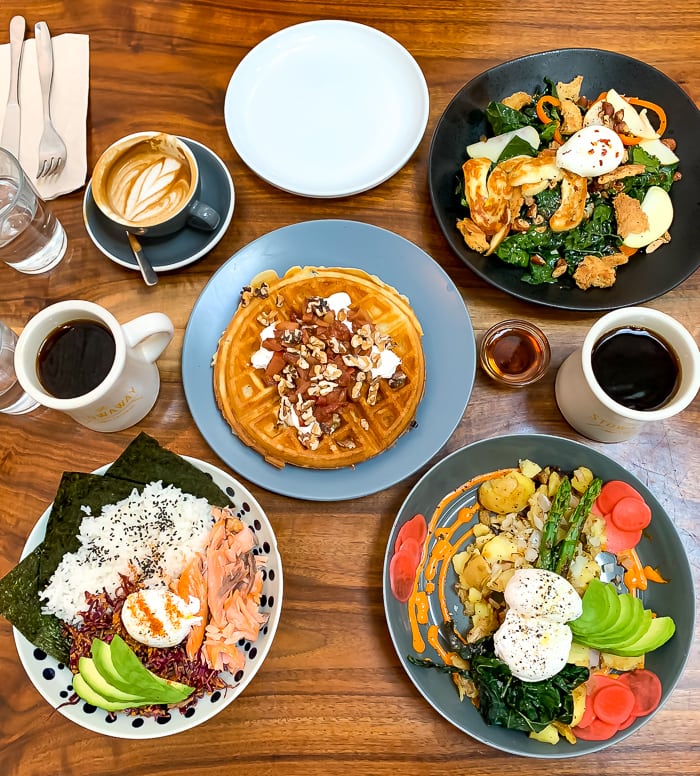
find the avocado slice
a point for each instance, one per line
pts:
(629, 632)
(122, 669)
(601, 610)
(627, 624)
(95, 680)
(83, 689)
(102, 658)
(659, 632)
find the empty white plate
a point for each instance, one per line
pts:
(326, 108)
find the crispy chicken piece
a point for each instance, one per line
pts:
(623, 171)
(517, 100)
(571, 90)
(572, 118)
(631, 219)
(598, 271)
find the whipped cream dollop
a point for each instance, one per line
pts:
(262, 357)
(385, 362)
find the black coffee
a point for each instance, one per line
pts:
(636, 368)
(75, 358)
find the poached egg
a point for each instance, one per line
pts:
(534, 639)
(592, 151)
(532, 647)
(541, 593)
(158, 617)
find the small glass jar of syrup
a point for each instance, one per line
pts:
(514, 353)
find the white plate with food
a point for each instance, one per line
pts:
(326, 108)
(448, 346)
(54, 680)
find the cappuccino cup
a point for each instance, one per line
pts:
(636, 366)
(74, 356)
(148, 183)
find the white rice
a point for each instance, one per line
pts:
(150, 535)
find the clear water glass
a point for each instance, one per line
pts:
(32, 239)
(13, 398)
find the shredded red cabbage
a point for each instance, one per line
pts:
(102, 620)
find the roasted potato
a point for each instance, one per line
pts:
(550, 735)
(475, 572)
(506, 494)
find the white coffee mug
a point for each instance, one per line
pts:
(591, 411)
(129, 390)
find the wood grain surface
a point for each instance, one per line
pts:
(332, 697)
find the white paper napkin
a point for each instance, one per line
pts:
(69, 101)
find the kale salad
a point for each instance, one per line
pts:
(569, 187)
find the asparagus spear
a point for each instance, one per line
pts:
(568, 545)
(549, 532)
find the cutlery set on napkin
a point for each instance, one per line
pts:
(43, 119)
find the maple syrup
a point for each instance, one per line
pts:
(514, 353)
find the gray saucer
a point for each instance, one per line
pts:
(175, 250)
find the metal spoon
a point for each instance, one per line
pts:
(148, 273)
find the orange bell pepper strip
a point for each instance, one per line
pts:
(547, 99)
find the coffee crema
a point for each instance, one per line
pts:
(146, 182)
(75, 358)
(636, 368)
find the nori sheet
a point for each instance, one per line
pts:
(19, 603)
(143, 461)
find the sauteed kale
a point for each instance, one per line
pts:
(507, 701)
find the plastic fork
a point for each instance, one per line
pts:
(52, 149)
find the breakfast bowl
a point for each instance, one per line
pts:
(48, 645)
(464, 122)
(444, 497)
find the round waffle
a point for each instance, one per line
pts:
(338, 376)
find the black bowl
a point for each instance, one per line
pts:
(463, 122)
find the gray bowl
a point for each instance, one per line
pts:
(660, 547)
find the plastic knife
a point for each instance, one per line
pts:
(11, 126)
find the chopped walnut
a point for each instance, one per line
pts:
(318, 306)
(373, 393)
(397, 380)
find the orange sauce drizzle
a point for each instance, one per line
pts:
(636, 576)
(437, 563)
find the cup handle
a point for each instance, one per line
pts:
(203, 216)
(149, 335)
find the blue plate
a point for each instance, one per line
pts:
(448, 343)
(661, 547)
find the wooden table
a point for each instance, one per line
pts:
(331, 697)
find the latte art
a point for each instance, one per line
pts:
(148, 187)
(144, 180)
